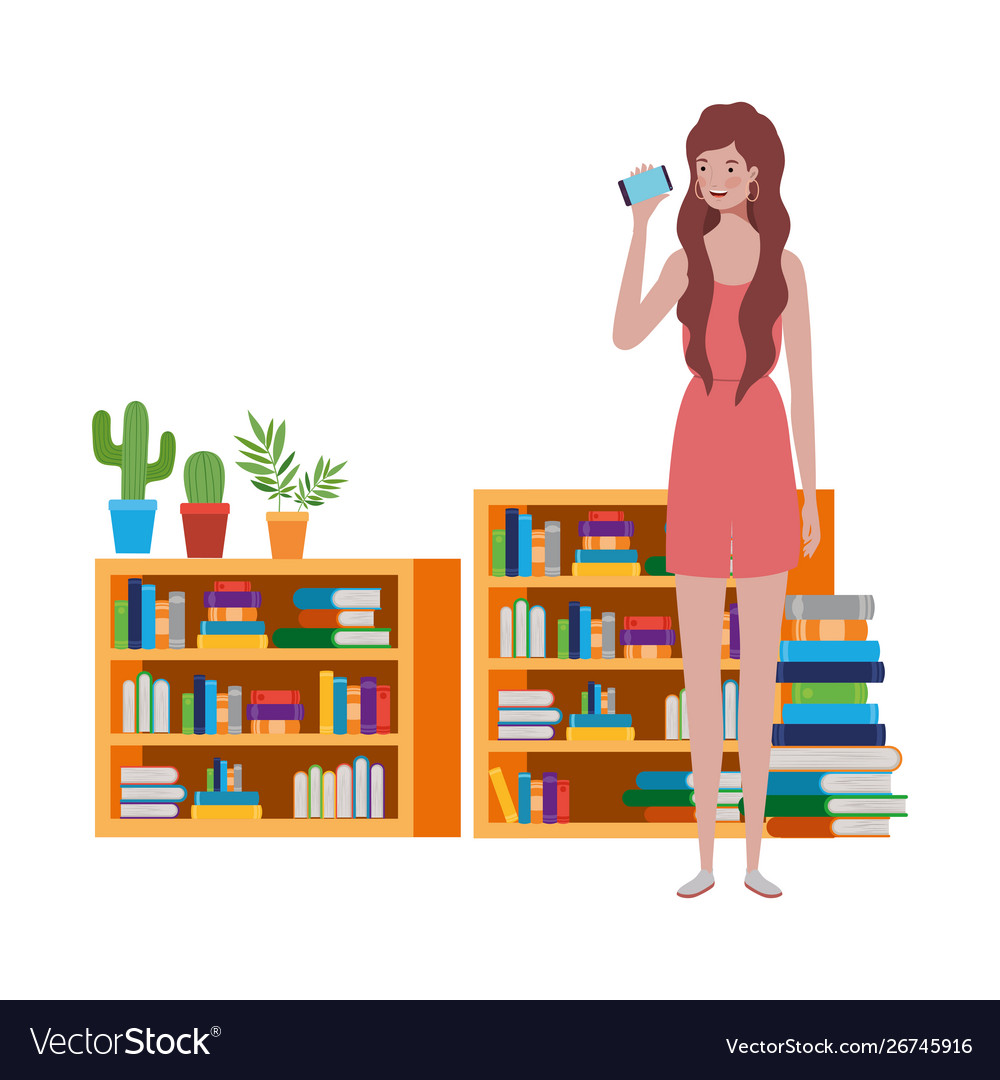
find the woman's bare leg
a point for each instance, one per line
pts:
(761, 603)
(699, 610)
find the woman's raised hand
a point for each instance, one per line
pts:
(810, 528)
(642, 210)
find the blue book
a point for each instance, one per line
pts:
(666, 780)
(824, 671)
(524, 798)
(511, 517)
(838, 651)
(795, 783)
(574, 630)
(340, 705)
(606, 556)
(148, 616)
(135, 612)
(524, 545)
(227, 798)
(585, 636)
(211, 707)
(617, 719)
(827, 713)
(233, 628)
(217, 785)
(198, 686)
(366, 598)
(828, 734)
(593, 697)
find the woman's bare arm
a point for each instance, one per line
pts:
(798, 350)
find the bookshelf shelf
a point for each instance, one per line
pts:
(597, 771)
(421, 756)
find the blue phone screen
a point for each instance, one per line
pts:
(646, 184)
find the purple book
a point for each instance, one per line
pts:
(232, 599)
(734, 632)
(276, 712)
(647, 637)
(607, 528)
(550, 796)
(369, 706)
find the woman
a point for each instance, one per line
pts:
(731, 476)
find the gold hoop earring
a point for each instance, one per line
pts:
(757, 196)
(700, 198)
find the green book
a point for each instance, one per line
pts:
(354, 637)
(121, 624)
(562, 639)
(829, 693)
(499, 553)
(882, 805)
(656, 566)
(584, 701)
(652, 797)
(187, 714)
(210, 780)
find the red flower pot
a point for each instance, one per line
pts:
(204, 529)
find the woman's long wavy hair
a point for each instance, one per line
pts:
(765, 299)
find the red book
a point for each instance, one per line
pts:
(232, 586)
(606, 515)
(382, 721)
(647, 622)
(562, 802)
(275, 697)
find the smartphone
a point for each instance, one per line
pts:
(645, 185)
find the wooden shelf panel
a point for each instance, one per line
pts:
(248, 739)
(674, 663)
(138, 565)
(609, 830)
(142, 827)
(251, 656)
(571, 581)
(610, 746)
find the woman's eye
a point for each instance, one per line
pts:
(703, 168)
(730, 170)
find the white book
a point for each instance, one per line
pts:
(128, 707)
(345, 791)
(833, 758)
(144, 703)
(329, 794)
(529, 716)
(525, 699)
(506, 632)
(161, 706)
(860, 826)
(513, 732)
(149, 774)
(856, 783)
(300, 795)
(521, 628)
(153, 793)
(149, 810)
(685, 729)
(378, 791)
(356, 598)
(536, 621)
(356, 618)
(730, 699)
(361, 805)
(673, 716)
(315, 791)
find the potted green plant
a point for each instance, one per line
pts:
(133, 514)
(268, 472)
(204, 514)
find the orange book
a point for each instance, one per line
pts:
(275, 727)
(222, 713)
(648, 652)
(829, 630)
(606, 543)
(669, 813)
(536, 802)
(537, 552)
(383, 700)
(230, 614)
(354, 710)
(162, 624)
(230, 779)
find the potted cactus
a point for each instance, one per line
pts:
(204, 514)
(268, 472)
(132, 515)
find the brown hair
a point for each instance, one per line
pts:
(765, 299)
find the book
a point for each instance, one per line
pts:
(227, 813)
(524, 545)
(369, 599)
(828, 734)
(153, 793)
(128, 707)
(682, 814)
(326, 703)
(345, 790)
(819, 693)
(685, 726)
(529, 716)
(605, 569)
(829, 783)
(672, 710)
(574, 629)
(211, 692)
(246, 599)
(511, 516)
(648, 652)
(583, 555)
(614, 734)
(232, 586)
(586, 645)
(525, 699)
(315, 774)
(275, 712)
(829, 714)
(605, 543)
(562, 801)
(275, 697)
(535, 733)
(828, 629)
(835, 758)
(340, 706)
(329, 794)
(536, 631)
(606, 515)
(222, 713)
(237, 777)
(658, 797)
(837, 606)
(656, 566)
(353, 708)
(826, 827)
(834, 806)
(331, 618)
(161, 706)
(730, 709)
(646, 637)
(593, 698)
(148, 617)
(503, 795)
(300, 794)
(231, 614)
(144, 703)
(383, 709)
(234, 695)
(829, 651)
(550, 809)
(647, 622)
(498, 550)
(506, 632)
(134, 613)
(523, 798)
(298, 637)
(369, 705)
(536, 801)
(377, 806)
(562, 639)
(150, 810)
(681, 780)
(606, 528)
(608, 639)
(232, 641)
(734, 632)
(226, 798)
(121, 624)
(600, 720)
(537, 552)
(521, 628)
(233, 629)
(275, 727)
(187, 714)
(792, 671)
(161, 623)
(553, 544)
(362, 791)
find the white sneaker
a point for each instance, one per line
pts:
(757, 883)
(697, 885)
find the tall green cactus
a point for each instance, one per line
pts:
(130, 454)
(204, 477)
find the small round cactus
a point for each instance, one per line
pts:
(204, 477)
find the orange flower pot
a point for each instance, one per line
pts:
(287, 531)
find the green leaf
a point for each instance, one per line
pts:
(315, 502)
(337, 468)
(252, 445)
(257, 457)
(270, 433)
(284, 465)
(318, 471)
(257, 429)
(279, 441)
(274, 496)
(308, 485)
(257, 470)
(262, 486)
(288, 479)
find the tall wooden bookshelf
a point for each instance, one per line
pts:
(598, 771)
(421, 754)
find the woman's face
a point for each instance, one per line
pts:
(722, 177)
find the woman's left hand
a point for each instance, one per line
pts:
(810, 528)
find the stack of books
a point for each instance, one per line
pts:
(542, 801)
(231, 618)
(150, 791)
(344, 792)
(145, 705)
(224, 797)
(606, 539)
(335, 618)
(275, 712)
(841, 783)
(362, 708)
(598, 719)
(143, 622)
(669, 796)
(647, 637)
(526, 714)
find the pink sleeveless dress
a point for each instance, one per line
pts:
(731, 472)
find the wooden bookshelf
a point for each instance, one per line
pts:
(598, 771)
(421, 754)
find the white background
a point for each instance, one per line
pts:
(397, 227)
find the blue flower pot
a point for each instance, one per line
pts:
(132, 524)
